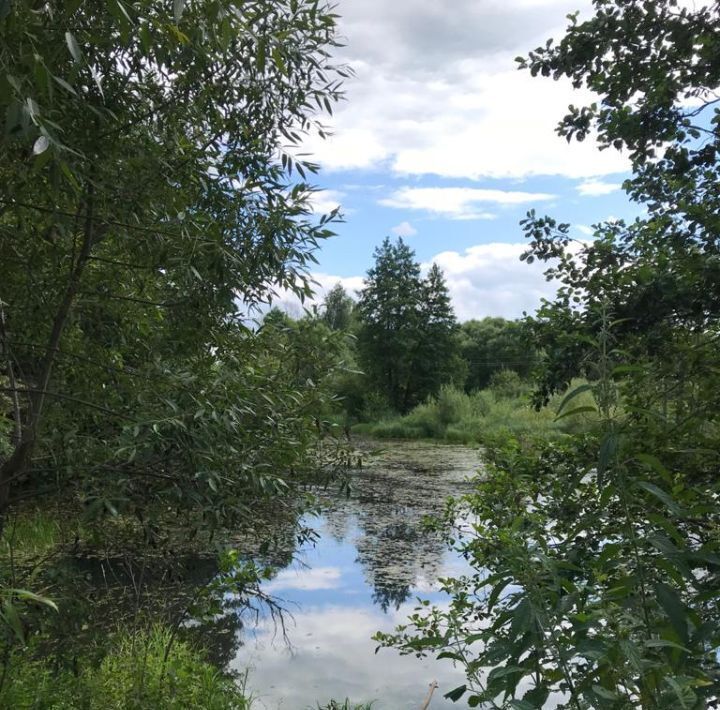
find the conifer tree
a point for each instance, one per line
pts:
(406, 339)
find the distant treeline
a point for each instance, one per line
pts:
(404, 340)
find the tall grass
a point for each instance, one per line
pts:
(143, 670)
(502, 410)
(31, 533)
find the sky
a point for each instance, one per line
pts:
(443, 141)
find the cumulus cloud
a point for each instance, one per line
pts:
(309, 579)
(437, 92)
(325, 201)
(333, 655)
(404, 229)
(490, 280)
(484, 280)
(593, 188)
(287, 301)
(458, 202)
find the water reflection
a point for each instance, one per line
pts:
(373, 558)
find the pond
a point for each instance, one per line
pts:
(372, 561)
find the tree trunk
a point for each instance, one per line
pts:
(18, 462)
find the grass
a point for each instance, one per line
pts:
(136, 674)
(501, 411)
(31, 533)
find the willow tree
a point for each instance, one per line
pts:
(149, 196)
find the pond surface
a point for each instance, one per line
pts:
(372, 561)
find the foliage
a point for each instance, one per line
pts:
(598, 584)
(338, 308)
(406, 338)
(596, 558)
(507, 384)
(140, 671)
(486, 417)
(148, 201)
(655, 66)
(493, 344)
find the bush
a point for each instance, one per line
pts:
(452, 405)
(135, 676)
(506, 384)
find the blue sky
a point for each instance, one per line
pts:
(443, 141)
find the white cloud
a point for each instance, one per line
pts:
(325, 201)
(404, 229)
(437, 92)
(308, 579)
(490, 280)
(593, 188)
(585, 229)
(333, 655)
(287, 301)
(458, 202)
(484, 280)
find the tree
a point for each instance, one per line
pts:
(406, 336)
(440, 362)
(338, 308)
(147, 190)
(657, 84)
(595, 573)
(494, 344)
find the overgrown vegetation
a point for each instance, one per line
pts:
(597, 557)
(150, 200)
(146, 669)
(501, 412)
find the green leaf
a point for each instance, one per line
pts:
(37, 598)
(456, 693)
(65, 85)
(571, 395)
(674, 608)
(608, 451)
(496, 592)
(73, 46)
(654, 463)
(537, 696)
(279, 60)
(586, 408)
(261, 55)
(451, 655)
(522, 618)
(662, 496)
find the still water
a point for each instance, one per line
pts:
(372, 561)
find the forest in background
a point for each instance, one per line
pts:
(150, 193)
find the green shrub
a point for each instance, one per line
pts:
(496, 414)
(452, 405)
(135, 676)
(507, 384)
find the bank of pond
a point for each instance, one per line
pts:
(134, 629)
